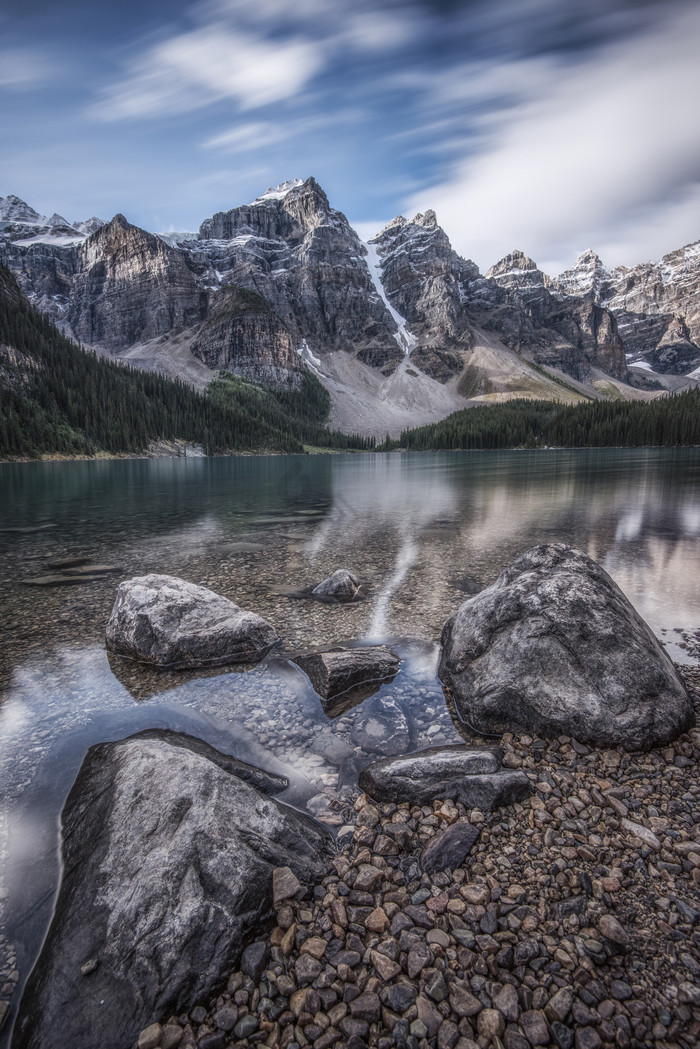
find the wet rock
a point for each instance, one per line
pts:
(338, 671)
(554, 646)
(168, 622)
(449, 848)
(342, 585)
(471, 775)
(167, 867)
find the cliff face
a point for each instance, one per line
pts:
(129, 287)
(656, 304)
(307, 262)
(245, 336)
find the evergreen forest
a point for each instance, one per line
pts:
(664, 422)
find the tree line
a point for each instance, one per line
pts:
(664, 422)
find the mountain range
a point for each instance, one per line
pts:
(401, 330)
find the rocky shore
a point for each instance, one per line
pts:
(539, 892)
(572, 922)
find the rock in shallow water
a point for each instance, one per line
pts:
(472, 775)
(168, 864)
(554, 647)
(342, 585)
(336, 671)
(169, 622)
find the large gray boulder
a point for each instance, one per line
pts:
(554, 647)
(169, 622)
(472, 775)
(168, 860)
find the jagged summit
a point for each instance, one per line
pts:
(515, 262)
(14, 209)
(279, 192)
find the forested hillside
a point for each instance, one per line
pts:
(57, 398)
(666, 422)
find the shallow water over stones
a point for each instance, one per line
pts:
(424, 531)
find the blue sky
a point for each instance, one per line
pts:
(547, 125)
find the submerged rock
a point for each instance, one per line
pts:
(169, 622)
(168, 862)
(472, 775)
(382, 728)
(554, 647)
(342, 585)
(338, 670)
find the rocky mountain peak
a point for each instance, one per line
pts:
(515, 263)
(428, 219)
(588, 276)
(13, 209)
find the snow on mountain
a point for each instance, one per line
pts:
(12, 209)
(279, 192)
(403, 336)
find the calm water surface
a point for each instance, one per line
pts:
(424, 531)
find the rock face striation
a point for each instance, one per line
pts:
(169, 622)
(656, 304)
(554, 646)
(168, 861)
(471, 775)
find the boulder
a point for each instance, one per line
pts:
(554, 647)
(381, 727)
(168, 861)
(472, 775)
(169, 622)
(341, 585)
(339, 670)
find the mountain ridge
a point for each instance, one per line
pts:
(401, 329)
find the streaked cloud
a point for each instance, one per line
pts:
(22, 69)
(208, 64)
(587, 153)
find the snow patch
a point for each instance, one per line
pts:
(61, 240)
(307, 356)
(403, 336)
(278, 192)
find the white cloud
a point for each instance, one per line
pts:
(206, 65)
(605, 153)
(21, 69)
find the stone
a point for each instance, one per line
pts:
(366, 1007)
(471, 775)
(226, 1017)
(254, 959)
(168, 864)
(377, 920)
(554, 647)
(642, 834)
(339, 670)
(611, 929)
(368, 876)
(449, 848)
(150, 1037)
(506, 1001)
(384, 966)
(285, 886)
(534, 1025)
(341, 585)
(463, 1001)
(490, 1024)
(418, 957)
(168, 622)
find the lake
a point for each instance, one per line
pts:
(424, 531)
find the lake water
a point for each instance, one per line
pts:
(423, 531)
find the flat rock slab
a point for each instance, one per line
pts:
(554, 647)
(168, 622)
(472, 775)
(338, 670)
(168, 862)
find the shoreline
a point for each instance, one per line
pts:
(573, 921)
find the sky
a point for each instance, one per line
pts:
(551, 126)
